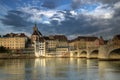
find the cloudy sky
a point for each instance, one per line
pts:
(69, 17)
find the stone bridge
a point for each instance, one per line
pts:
(90, 52)
(111, 51)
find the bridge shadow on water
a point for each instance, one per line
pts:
(115, 54)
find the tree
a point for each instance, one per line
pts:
(3, 49)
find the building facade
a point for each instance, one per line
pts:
(116, 40)
(62, 47)
(40, 47)
(83, 42)
(51, 43)
(38, 42)
(13, 41)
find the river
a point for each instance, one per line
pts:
(59, 69)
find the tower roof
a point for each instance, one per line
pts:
(36, 31)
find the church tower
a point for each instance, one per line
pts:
(35, 28)
(36, 34)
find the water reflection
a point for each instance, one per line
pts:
(11, 68)
(59, 69)
(109, 70)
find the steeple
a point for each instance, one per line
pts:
(35, 27)
(36, 34)
(36, 31)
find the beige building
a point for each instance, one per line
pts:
(116, 40)
(62, 40)
(51, 43)
(13, 41)
(83, 42)
(62, 47)
(62, 50)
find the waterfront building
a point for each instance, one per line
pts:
(62, 45)
(83, 42)
(40, 47)
(62, 51)
(38, 42)
(13, 41)
(62, 40)
(36, 34)
(116, 40)
(71, 45)
(92, 42)
(51, 43)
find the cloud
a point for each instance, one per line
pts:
(3, 8)
(38, 15)
(16, 21)
(51, 4)
(108, 1)
(79, 3)
(97, 19)
(14, 18)
(68, 22)
(76, 4)
(101, 11)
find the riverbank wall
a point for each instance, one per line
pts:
(16, 56)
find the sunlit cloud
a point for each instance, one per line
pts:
(69, 17)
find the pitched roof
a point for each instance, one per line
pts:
(86, 38)
(61, 37)
(15, 35)
(36, 31)
(49, 37)
(116, 36)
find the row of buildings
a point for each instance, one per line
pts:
(59, 45)
(49, 45)
(13, 41)
(56, 45)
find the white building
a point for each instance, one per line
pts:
(40, 47)
(38, 42)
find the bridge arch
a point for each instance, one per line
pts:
(94, 54)
(114, 54)
(75, 53)
(83, 54)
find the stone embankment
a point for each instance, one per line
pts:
(16, 56)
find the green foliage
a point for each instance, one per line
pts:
(3, 49)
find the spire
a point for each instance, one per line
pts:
(35, 30)
(35, 27)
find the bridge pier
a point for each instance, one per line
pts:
(103, 51)
(88, 54)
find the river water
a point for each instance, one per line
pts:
(59, 69)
